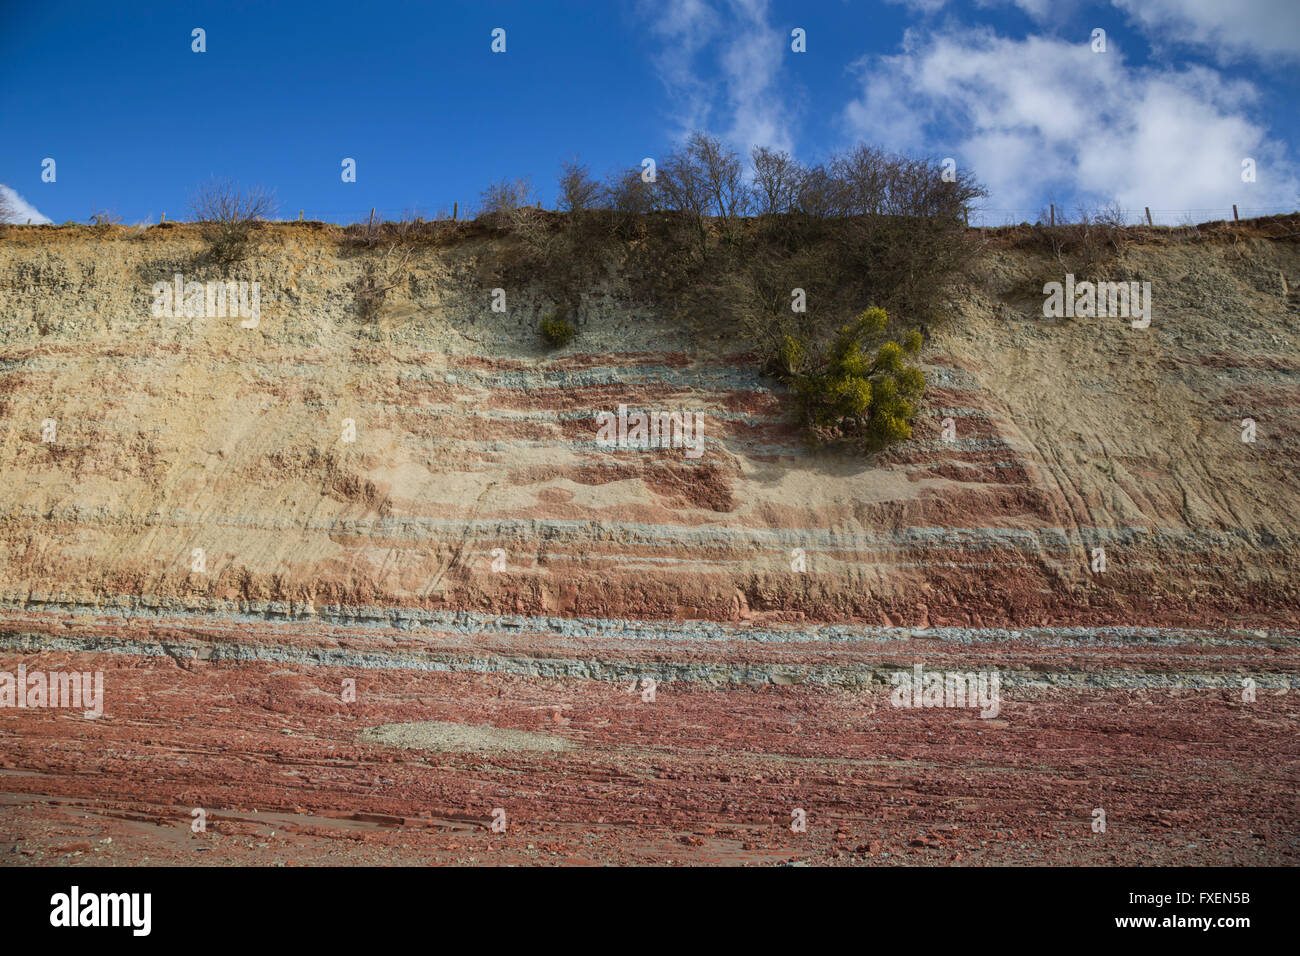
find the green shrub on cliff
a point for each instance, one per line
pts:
(556, 328)
(861, 390)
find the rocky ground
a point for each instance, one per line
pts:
(475, 567)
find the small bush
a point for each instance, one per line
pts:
(227, 216)
(505, 197)
(556, 328)
(861, 392)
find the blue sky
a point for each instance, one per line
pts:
(1185, 90)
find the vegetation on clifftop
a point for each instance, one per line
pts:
(790, 255)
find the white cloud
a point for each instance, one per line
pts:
(921, 6)
(20, 210)
(1263, 28)
(1041, 118)
(1227, 29)
(749, 106)
(1038, 9)
(683, 27)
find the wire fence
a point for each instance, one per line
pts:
(984, 217)
(989, 216)
(344, 217)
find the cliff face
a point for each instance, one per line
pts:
(176, 433)
(230, 521)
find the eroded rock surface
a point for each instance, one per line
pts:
(769, 593)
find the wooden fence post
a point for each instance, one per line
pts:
(454, 206)
(372, 217)
(1234, 213)
(1149, 222)
(1052, 212)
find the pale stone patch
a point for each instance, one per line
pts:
(449, 736)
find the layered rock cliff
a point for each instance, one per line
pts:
(420, 496)
(1065, 435)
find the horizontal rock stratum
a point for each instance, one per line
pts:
(244, 527)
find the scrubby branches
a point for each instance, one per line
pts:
(579, 190)
(1086, 246)
(411, 228)
(508, 204)
(379, 277)
(105, 217)
(506, 196)
(629, 198)
(227, 216)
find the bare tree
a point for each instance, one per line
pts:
(227, 215)
(924, 187)
(865, 181)
(578, 190)
(702, 178)
(683, 183)
(819, 193)
(722, 172)
(705, 178)
(777, 180)
(863, 174)
(7, 212)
